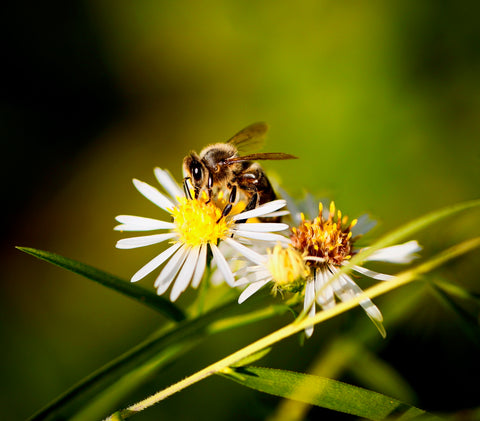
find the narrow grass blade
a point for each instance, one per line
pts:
(134, 291)
(410, 228)
(326, 393)
(224, 365)
(386, 378)
(457, 291)
(467, 322)
(148, 357)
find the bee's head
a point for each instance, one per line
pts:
(199, 175)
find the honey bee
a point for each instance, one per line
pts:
(219, 167)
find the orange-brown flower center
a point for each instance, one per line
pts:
(324, 240)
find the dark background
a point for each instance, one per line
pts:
(380, 101)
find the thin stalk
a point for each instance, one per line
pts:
(297, 326)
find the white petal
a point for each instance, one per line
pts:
(250, 290)
(168, 183)
(246, 269)
(261, 210)
(251, 274)
(253, 269)
(262, 226)
(139, 223)
(363, 225)
(155, 262)
(185, 275)
(291, 204)
(222, 265)
(309, 303)
(251, 255)
(152, 194)
(309, 295)
(258, 275)
(401, 253)
(310, 204)
(216, 278)
(171, 269)
(343, 288)
(146, 240)
(201, 263)
(372, 274)
(350, 290)
(240, 282)
(264, 236)
(371, 309)
(325, 298)
(277, 213)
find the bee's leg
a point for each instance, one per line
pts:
(231, 200)
(253, 202)
(188, 194)
(233, 195)
(209, 187)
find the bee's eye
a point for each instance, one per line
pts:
(196, 170)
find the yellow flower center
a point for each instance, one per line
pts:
(287, 267)
(324, 241)
(197, 221)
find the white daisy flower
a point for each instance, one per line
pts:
(318, 249)
(195, 227)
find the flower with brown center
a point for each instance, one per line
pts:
(324, 244)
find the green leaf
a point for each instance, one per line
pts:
(455, 290)
(410, 228)
(382, 287)
(220, 367)
(326, 393)
(110, 397)
(339, 355)
(467, 322)
(134, 291)
(252, 358)
(397, 235)
(385, 379)
(126, 372)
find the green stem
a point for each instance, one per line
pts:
(217, 367)
(204, 287)
(298, 326)
(393, 237)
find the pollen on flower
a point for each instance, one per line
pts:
(324, 240)
(198, 221)
(220, 199)
(287, 267)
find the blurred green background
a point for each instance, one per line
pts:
(380, 100)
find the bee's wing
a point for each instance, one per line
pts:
(261, 156)
(251, 138)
